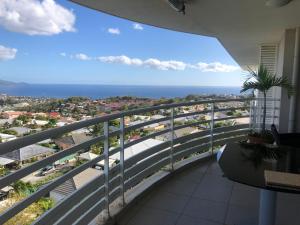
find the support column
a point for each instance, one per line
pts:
(267, 207)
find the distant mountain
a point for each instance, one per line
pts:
(10, 83)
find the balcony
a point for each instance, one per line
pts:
(177, 171)
(200, 195)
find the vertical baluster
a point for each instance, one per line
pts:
(274, 108)
(212, 122)
(122, 139)
(278, 112)
(254, 114)
(106, 164)
(172, 139)
(251, 118)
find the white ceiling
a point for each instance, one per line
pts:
(240, 25)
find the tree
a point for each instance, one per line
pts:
(3, 171)
(263, 80)
(24, 118)
(52, 122)
(21, 187)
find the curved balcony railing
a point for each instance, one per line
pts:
(84, 204)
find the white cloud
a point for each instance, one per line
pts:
(7, 53)
(63, 54)
(169, 64)
(35, 17)
(121, 59)
(137, 26)
(114, 31)
(161, 64)
(165, 65)
(82, 57)
(214, 67)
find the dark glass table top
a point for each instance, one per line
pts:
(246, 164)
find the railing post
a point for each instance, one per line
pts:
(172, 139)
(274, 108)
(212, 122)
(251, 118)
(122, 167)
(106, 164)
(254, 114)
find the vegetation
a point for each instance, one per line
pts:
(30, 213)
(6, 131)
(3, 171)
(263, 80)
(24, 118)
(23, 188)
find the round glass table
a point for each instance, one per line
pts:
(248, 164)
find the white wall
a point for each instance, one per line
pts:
(288, 57)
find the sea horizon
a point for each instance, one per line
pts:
(99, 91)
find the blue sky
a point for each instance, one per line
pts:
(77, 45)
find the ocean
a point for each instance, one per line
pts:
(104, 91)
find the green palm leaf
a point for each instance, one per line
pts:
(263, 80)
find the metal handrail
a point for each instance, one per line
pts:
(56, 132)
(170, 151)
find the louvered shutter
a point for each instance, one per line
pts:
(268, 58)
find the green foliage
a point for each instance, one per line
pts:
(96, 130)
(30, 213)
(3, 171)
(178, 123)
(16, 123)
(76, 99)
(23, 188)
(41, 117)
(30, 132)
(11, 132)
(48, 178)
(224, 123)
(31, 160)
(233, 113)
(263, 80)
(230, 113)
(115, 123)
(24, 118)
(97, 148)
(79, 162)
(45, 203)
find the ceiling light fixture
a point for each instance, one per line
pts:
(277, 3)
(178, 5)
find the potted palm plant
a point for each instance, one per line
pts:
(263, 81)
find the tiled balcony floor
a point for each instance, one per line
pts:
(201, 196)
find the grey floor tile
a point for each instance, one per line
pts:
(186, 220)
(205, 209)
(214, 169)
(214, 188)
(192, 175)
(288, 209)
(167, 201)
(240, 215)
(244, 195)
(129, 214)
(179, 187)
(150, 216)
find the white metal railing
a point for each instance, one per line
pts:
(84, 204)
